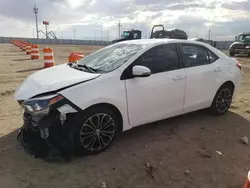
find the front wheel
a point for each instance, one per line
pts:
(222, 100)
(231, 53)
(96, 130)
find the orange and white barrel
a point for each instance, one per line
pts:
(23, 46)
(20, 45)
(28, 49)
(75, 56)
(35, 51)
(48, 57)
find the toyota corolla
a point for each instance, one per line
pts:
(80, 107)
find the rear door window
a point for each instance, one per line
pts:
(194, 55)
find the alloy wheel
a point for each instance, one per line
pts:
(224, 100)
(97, 132)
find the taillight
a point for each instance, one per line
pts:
(238, 65)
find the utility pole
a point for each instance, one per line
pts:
(46, 28)
(74, 34)
(107, 35)
(209, 33)
(35, 10)
(119, 29)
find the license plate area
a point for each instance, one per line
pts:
(242, 52)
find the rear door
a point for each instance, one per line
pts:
(203, 73)
(160, 95)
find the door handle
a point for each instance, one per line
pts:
(218, 69)
(178, 78)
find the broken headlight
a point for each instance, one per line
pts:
(41, 105)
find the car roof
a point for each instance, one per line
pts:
(160, 41)
(154, 42)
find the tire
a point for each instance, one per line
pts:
(85, 131)
(222, 100)
(231, 53)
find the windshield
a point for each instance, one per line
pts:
(111, 57)
(244, 38)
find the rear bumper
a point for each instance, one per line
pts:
(238, 82)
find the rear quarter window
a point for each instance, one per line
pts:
(212, 56)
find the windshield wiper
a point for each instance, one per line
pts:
(87, 67)
(79, 66)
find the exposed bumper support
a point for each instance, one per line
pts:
(49, 137)
(52, 148)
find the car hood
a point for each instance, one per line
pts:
(237, 42)
(51, 79)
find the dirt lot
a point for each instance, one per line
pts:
(181, 152)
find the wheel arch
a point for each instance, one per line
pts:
(229, 82)
(111, 107)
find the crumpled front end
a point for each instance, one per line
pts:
(49, 134)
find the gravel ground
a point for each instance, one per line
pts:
(194, 150)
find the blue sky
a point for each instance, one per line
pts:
(98, 19)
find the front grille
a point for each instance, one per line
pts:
(238, 46)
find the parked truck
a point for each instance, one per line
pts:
(241, 45)
(155, 33)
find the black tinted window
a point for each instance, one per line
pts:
(212, 57)
(194, 56)
(160, 58)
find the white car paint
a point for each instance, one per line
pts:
(162, 93)
(51, 79)
(139, 100)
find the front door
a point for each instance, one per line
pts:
(160, 95)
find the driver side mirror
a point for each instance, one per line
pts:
(141, 71)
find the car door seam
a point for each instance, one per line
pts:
(126, 90)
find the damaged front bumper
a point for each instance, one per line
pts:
(50, 136)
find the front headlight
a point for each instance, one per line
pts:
(247, 47)
(41, 105)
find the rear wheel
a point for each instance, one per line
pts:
(96, 130)
(222, 100)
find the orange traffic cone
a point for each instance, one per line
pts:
(35, 51)
(75, 56)
(247, 184)
(48, 57)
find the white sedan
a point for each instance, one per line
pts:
(81, 107)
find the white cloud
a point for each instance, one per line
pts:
(98, 18)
